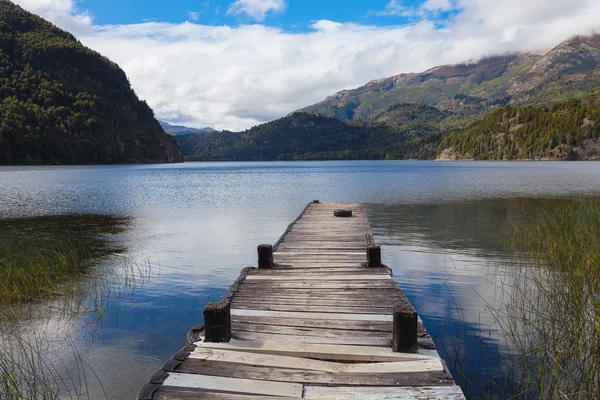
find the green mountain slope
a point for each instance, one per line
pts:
(568, 71)
(568, 130)
(61, 102)
(303, 136)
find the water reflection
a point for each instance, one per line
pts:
(43, 331)
(199, 224)
(451, 260)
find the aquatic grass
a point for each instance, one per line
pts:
(552, 317)
(63, 270)
(546, 310)
(38, 265)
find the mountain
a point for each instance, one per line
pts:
(183, 130)
(62, 103)
(410, 115)
(568, 130)
(303, 136)
(570, 70)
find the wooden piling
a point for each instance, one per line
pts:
(265, 256)
(217, 322)
(374, 256)
(311, 322)
(405, 329)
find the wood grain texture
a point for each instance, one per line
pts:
(317, 325)
(384, 393)
(234, 385)
(249, 372)
(332, 352)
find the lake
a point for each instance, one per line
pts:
(194, 226)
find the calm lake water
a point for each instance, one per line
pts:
(198, 224)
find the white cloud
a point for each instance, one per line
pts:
(438, 5)
(193, 15)
(63, 13)
(257, 9)
(394, 8)
(236, 77)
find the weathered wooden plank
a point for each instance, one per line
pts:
(367, 326)
(319, 298)
(270, 360)
(319, 260)
(305, 241)
(309, 301)
(326, 328)
(319, 246)
(385, 298)
(305, 331)
(452, 392)
(350, 340)
(310, 309)
(317, 351)
(309, 277)
(237, 385)
(317, 265)
(302, 376)
(307, 284)
(388, 290)
(314, 315)
(320, 272)
(175, 393)
(322, 253)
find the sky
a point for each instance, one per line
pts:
(233, 64)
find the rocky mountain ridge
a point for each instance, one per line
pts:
(569, 70)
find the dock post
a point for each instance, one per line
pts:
(217, 322)
(405, 329)
(374, 256)
(265, 256)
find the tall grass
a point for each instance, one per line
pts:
(552, 317)
(39, 265)
(50, 272)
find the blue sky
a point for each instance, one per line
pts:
(233, 64)
(296, 16)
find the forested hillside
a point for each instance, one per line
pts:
(568, 130)
(304, 136)
(62, 103)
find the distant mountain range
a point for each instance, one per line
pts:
(183, 130)
(304, 136)
(416, 115)
(570, 70)
(62, 103)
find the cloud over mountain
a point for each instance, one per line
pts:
(235, 77)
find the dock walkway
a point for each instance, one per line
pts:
(320, 318)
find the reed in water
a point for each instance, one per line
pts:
(552, 317)
(56, 270)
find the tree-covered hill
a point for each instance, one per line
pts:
(568, 130)
(303, 136)
(62, 103)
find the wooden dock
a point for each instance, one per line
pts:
(320, 318)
